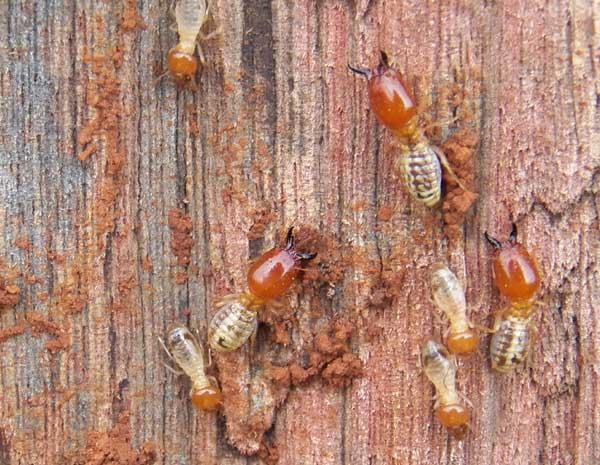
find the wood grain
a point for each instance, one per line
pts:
(95, 154)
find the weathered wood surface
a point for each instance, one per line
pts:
(279, 124)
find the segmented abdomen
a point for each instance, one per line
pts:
(187, 353)
(231, 326)
(190, 16)
(422, 174)
(510, 344)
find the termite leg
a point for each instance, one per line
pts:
(165, 349)
(209, 356)
(464, 397)
(173, 370)
(485, 329)
(444, 161)
(201, 55)
(439, 124)
(213, 380)
(534, 337)
(211, 35)
(170, 368)
(160, 78)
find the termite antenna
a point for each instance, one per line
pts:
(383, 59)
(495, 242)
(289, 239)
(362, 71)
(512, 237)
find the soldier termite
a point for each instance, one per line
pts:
(190, 16)
(517, 277)
(184, 349)
(395, 108)
(450, 298)
(269, 277)
(440, 369)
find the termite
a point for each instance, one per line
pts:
(185, 350)
(450, 298)
(395, 108)
(269, 277)
(190, 16)
(440, 369)
(516, 275)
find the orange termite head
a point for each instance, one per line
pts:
(455, 418)
(182, 65)
(464, 342)
(515, 272)
(274, 271)
(391, 101)
(207, 398)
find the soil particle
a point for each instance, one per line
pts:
(114, 448)
(341, 371)
(385, 213)
(386, 289)
(299, 375)
(279, 375)
(459, 150)
(329, 356)
(87, 152)
(40, 325)
(182, 242)
(131, 18)
(9, 294)
(323, 273)
(268, 453)
(262, 219)
(23, 243)
(12, 331)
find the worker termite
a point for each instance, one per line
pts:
(185, 350)
(517, 277)
(450, 298)
(440, 369)
(395, 108)
(269, 277)
(190, 16)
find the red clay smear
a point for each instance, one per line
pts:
(262, 218)
(40, 325)
(182, 242)
(131, 18)
(103, 131)
(114, 448)
(459, 150)
(12, 331)
(23, 243)
(268, 454)
(9, 295)
(330, 356)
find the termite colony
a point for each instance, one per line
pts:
(515, 272)
(420, 164)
